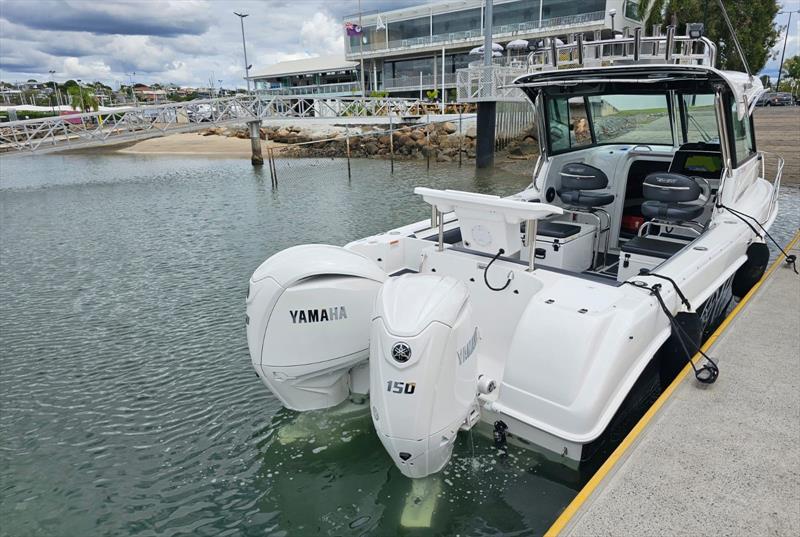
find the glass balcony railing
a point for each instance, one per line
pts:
(524, 27)
(414, 82)
(322, 89)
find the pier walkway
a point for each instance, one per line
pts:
(717, 460)
(80, 130)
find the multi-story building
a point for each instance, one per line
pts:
(404, 51)
(322, 76)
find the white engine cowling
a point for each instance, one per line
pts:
(308, 321)
(423, 369)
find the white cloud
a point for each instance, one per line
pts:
(322, 34)
(91, 70)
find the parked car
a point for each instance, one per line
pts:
(776, 99)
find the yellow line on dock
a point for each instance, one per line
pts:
(612, 460)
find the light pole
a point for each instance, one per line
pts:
(133, 93)
(244, 48)
(785, 40)
(361, 52)
(55, 92)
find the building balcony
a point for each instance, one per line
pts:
(413, 83)
(521, 30)
(342, 89)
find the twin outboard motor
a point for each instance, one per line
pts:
(423, 369)
(322, 324)
(308, 321)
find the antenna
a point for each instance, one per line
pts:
(735, 39)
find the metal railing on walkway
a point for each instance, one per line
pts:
(137, 123)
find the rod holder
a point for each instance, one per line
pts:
(530, 238)
(637, 43)
(670, 43)
(580, 49)
(441, 228)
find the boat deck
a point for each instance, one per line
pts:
(719, 460)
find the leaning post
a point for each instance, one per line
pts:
(255, 142)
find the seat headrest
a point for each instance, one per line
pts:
(578, 176)
(670, 187)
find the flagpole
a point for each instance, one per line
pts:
(361, 51)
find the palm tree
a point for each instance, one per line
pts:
(82, 99)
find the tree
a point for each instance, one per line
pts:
(765, 81)
(791, 68)
(753, 21)
(82, 99)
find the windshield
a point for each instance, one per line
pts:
(701, 119)
(608, 119)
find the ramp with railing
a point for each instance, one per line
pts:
(81, 130)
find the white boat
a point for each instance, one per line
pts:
(552, 315)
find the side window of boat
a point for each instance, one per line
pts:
(558, 121)
(701, 119)
(568, 123)
(742, 136)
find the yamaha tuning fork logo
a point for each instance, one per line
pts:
(401, 352)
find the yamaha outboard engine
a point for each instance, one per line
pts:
(308, 322)
(423, 369)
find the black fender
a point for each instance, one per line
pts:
(753, 269)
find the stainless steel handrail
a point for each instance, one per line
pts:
(776, 182)
(577, 51)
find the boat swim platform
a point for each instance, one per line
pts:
(722, 459)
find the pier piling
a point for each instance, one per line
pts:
(255, 142)
(391, 143)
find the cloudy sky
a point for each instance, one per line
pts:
(187, 42)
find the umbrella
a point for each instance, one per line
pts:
(495, 47)
(497, 54)
(476, 51)
(517, 44)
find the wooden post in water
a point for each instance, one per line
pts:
(391, 142)
(255, 142)
(428, 141)
(460, 138)
(274, 168)
(271, 171)
(347, 142)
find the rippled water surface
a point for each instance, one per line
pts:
(128, 404)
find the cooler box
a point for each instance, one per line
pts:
(565, 245)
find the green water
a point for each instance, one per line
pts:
(128, 405)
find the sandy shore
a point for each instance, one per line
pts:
(776, 131)
(191, 143)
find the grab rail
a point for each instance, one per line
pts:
(669, 48)
(776, 182)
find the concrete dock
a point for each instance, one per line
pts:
(716, 460)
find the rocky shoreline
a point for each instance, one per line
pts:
(439, 141)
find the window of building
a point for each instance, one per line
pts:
(515, 12)
(409, 29)
(457, 21)
(408, 68)
(564, 8)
